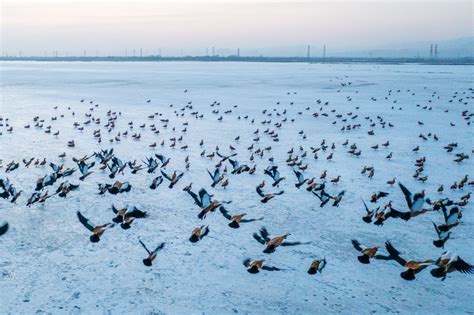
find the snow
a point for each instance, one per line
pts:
(48, 264)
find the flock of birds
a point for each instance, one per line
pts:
(68, 171)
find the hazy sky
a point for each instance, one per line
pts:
(189, 27)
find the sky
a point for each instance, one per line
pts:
(185, 27)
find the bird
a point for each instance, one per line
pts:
(151, 254)
(370, 213)
(97, 230)
(236, 219)
(414, 202)
(173, 179)
(367, 252)
(443, 236)
(254, 266)
(126, 215)
(317, 266)
(412, 267)
(266, 196)
(445, 264)
(272, 243)
(198, 233)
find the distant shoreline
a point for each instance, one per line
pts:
(325, 60)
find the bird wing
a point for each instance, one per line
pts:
(85, 221)
(462, 266)
(264, 233)
(144, 246)
(250, 220)
(395, 254)
(158, 248)
(115, 210)
(195, 197)
(269, 268)
(205, 198)
(356, 245)
(225, 213)
(135, 213)
(437, 229)
(4, 228)
(299, 176)
(260, 192)
(166, 175)
(246, 262)
(365, 205)
(398, 214)
(407, 194)
(291, 243)
(160, 157)
(234, 163)
(258, 238)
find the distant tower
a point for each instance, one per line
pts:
(431, 51)
(213, 49)
(436, 51)
(141, 52)
(85, 53)
(308, 53)
(238, 52)
(324, 51)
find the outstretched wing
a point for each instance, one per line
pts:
(299, 176)
(234, 163)
(395, 254)
(4, 228)
(205, 198)
(437, 229)
(195, 197)
(356, 245)
(407, 194)
(85, 221)
(365, 205)
(462, 266)
(166, 175)
(135, 213)
(258, 238)
(115, 210)
(144, 246)
(269, 268)
(291, 243)
(260, 192)
(225, 213)
(159, 247)
(246, 262)
(264, 233)
(398, 214)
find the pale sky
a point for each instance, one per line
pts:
(189, 27)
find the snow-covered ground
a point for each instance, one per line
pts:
(48, 264)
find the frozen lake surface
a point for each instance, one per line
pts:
(48, 264)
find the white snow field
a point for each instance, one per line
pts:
(49, 266)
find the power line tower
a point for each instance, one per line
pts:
(436, 51)
(431, 51)
(308, 53)
(324, 51)
(238, 52)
